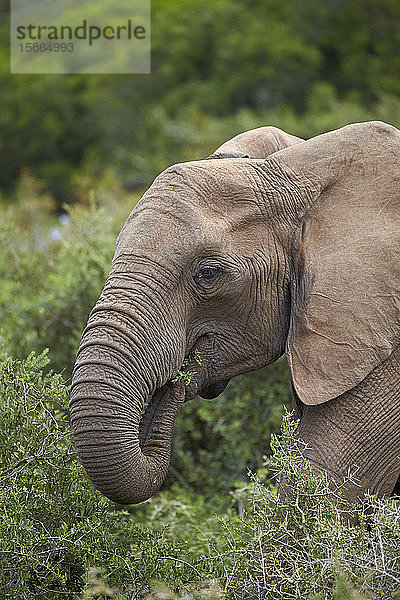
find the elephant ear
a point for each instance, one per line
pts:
(256, 143)
(345, 317)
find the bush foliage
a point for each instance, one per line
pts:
(52, 285)
(54, 526)
(61, 538)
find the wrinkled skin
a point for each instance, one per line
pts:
(272, 244)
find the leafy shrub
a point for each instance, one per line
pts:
(49, 287)
(60, 538)
(311, 551)
(54, 526)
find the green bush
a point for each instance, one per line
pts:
(55, 529)
(60, 538)
(298, 546)
(311, 551)
(217, 441)
(49, 287)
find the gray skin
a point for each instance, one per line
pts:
(271, 245)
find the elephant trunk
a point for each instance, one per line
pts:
(124, 448)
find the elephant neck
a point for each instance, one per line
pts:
(358, 433)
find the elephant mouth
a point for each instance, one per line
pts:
(197, 371)
(213, 389)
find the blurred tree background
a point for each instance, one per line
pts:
(218, 67)
(95, 142)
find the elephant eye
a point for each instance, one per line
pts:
(207, 274)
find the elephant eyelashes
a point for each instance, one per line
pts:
(207, 275)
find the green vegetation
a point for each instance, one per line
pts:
(211, 453)
(184, 374)
(54, 526)
(61, 538)
(53, 284)
(218, 67)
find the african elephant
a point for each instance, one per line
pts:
(271, 245)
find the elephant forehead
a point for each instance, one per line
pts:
(190, 208)
(212, 185)
(173, 231)
(201, 194)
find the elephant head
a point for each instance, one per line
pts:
(272, 244)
